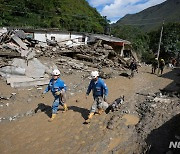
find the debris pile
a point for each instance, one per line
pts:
(14, 43)
(20, 73)
(19, 53)
(94, 57)
(157, 117)
(19, 66)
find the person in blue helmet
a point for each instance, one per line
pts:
(100, 93)
(58, 89)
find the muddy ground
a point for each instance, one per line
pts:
(138, 127)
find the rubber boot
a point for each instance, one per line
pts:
(65, 107)
(90, 117)
(52, 118)
(100, 111)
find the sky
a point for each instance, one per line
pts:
(116, 9)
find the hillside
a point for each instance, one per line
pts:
(152, 17)
(63, 14)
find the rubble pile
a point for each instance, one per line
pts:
(19, 66)
(14, 43)
(157, 117)
(20, 73)
(98, 57)
(20, 56)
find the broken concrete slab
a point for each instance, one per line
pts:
(35, 82)
(49, 67)
(12, 70)
(35, 69)
(19, 42)
(19, 63)
(20, 33)
(24, 81)
(17, 78)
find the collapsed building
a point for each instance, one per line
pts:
(20, 50)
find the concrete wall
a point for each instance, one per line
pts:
(62, 38)
(40, 36)
(59, 37)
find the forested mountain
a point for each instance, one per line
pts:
(73, 15)
(151, 18)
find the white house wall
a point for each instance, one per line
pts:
(61, 38)
(40, 37)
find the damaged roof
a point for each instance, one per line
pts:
(109, 38)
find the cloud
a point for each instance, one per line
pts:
(97, 3)
(116, 9)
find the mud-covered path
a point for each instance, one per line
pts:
(67, 133)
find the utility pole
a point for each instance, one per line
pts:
(160, 39)
(107, 27)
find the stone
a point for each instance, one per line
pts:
(35, 69)
(162, 100)
(12, 70)
(54, 49)
(10, 118)
(29, 100)
(30, 112)
(110, 126)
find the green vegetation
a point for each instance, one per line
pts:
(139, 39)
(72, 15)
(170, 39)
(145, 36)
(146, 44)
